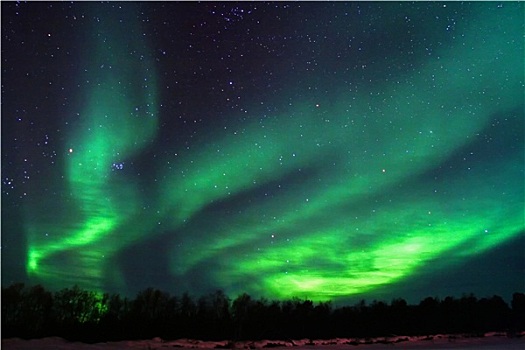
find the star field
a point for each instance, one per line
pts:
(320, 150)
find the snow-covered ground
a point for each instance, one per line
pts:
(491, 341)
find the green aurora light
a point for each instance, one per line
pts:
(362, 213)
(119, 119)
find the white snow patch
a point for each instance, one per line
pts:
(490, 341)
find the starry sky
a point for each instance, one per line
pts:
(324, 150)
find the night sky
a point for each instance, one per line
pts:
(331, 150)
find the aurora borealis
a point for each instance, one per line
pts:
(320, 150)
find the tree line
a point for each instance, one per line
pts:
(81, 315)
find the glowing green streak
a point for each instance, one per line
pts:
(331, 239)
(425, 127)
(119, 118)
(336, 262)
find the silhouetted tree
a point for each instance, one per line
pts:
(400, 317)
(466, 314)
(429, 316)
(12, 310)
(321, 321)
(241, 308)
(38, 305)
(77, 313)
(448, 319)
(112, 322)
(302, 318)
(492, 314)
(81, 315)
(518, 311)
(187, 317)
(149, 312)
(219, 314)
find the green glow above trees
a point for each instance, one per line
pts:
(119, 118)
(365, 209)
